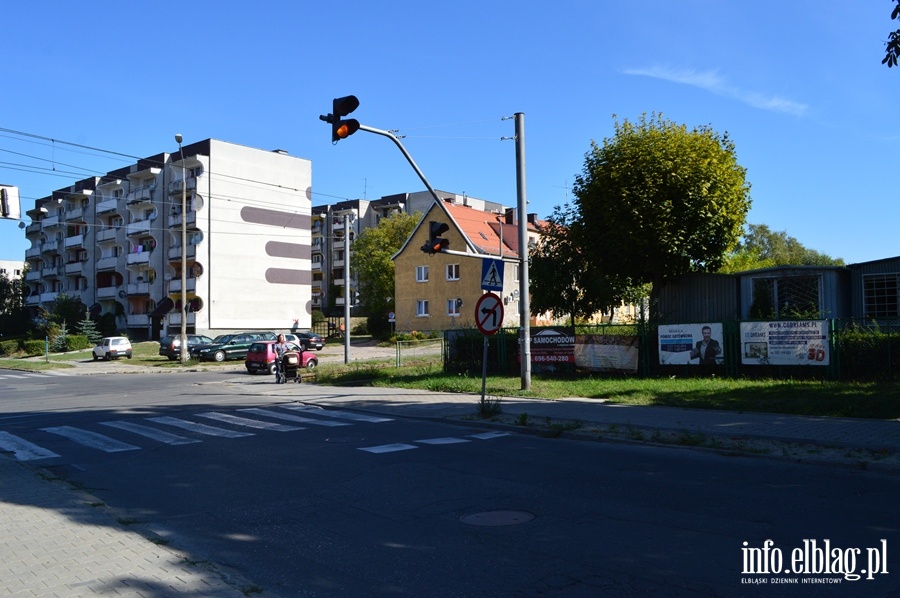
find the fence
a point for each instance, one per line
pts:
(862, 350)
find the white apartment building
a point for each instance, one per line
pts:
(114, 242)
(12, 269)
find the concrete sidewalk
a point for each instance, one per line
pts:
(57, 541)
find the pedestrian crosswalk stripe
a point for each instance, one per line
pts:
(294, 418)
(448, 440)
(388, 448)
(198, 428)
(250, 423)
(91, 439)
(338, 414)
(489, 435)
(22, 449)
(152, 433)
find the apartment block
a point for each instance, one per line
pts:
(115, 242)
(330, 224)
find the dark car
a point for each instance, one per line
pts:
(230, 346)
(170, 346)
(307, 340)
(261, 357)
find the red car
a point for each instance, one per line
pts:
(261, 357)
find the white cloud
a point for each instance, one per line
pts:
(711, 81)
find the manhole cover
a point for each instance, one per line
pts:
(497, 518)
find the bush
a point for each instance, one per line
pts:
(9, 347)
(77, 342)
(35, 347)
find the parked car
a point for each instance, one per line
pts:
(261, 357)
(112, 347)
(170, 346)
(229, 346)
(307, 340)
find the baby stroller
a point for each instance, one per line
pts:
(288, 368)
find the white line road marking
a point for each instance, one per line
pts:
(152, 433)
(198, 428)
(489, 435)
(294, 418)
(22, 449)
(92, 439)
(388, 448)
(448, 440)
(337, 414)
(250, 423)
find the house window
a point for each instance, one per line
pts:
(880, 293)
(421, 273)
(422, 308)
(453, 307)
(452, 271)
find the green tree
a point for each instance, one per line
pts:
(88, 327)
(892, 50)
(658, 200)
(761, 247)
(374, 268)
(14, 318)
(562, 281)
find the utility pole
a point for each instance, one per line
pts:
(524, 300)
(346, 288)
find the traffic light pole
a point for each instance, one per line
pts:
(409, 159)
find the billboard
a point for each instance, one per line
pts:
(696, 344)
(800, 342)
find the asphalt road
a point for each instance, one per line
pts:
(336, 506)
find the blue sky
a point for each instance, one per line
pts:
(799, 86)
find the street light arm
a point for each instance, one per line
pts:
(409, 159)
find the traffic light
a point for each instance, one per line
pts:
(340, 107)
(435, 243)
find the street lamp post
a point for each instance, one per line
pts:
(184, 349)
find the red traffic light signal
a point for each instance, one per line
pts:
(340, 107)
(435, 243)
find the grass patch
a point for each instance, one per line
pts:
(793, 397)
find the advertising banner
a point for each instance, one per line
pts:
(802, 342)
(601, 352)
(698, 344)
(552, 346)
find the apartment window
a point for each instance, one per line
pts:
(422, 308)
(453, 307)
(452, 271)
(421, 273)
(880, 293)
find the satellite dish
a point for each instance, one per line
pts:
(121, 294)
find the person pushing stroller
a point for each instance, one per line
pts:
(280, 347)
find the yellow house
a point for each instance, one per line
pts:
(439, 291)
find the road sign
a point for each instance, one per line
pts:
(492, 275)
(489, 313)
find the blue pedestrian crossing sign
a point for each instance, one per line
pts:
(492, 275)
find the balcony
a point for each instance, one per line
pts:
(175, 285)
(51, 272)
(75, 214)
(175, 318)
(74, 241)
(74, 268)
(138, 288)
(138, 227)
(34, 227)
(33, 300)
(32, 275)
(141, 257)
(49, 297)
(316, 265)
(175, 219)
(138, 320)
(106, 235)
(175, 252)
(51, 222)
(177, 186)
(107, 263)
(108, 205)
(32, 252)
(142, 195)
(50, 247)
(107, 292)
